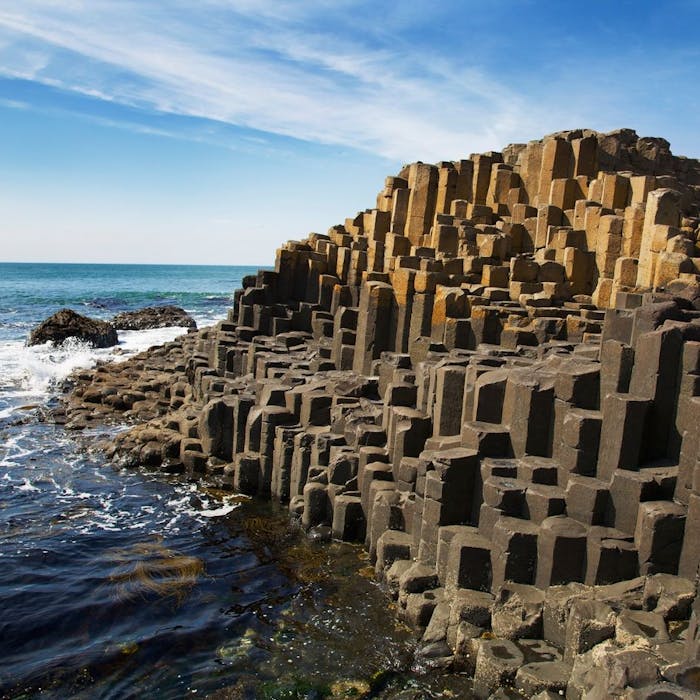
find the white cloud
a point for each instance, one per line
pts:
(317, 70)
(14, 104)
(263, 65)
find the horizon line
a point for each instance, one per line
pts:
(142, 264)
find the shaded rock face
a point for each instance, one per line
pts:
(153, 317)
(66, 323)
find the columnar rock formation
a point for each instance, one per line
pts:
(492, 380)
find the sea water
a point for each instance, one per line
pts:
(122, 583)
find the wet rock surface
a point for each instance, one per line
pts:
(66, 323)
(153, 317)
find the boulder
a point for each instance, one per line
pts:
(153, 317)
(497, 662)
(517, 612)
(66, 323)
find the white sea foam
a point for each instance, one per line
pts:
(131, 342)
(198, 505)
(217, 512)
(27, 485)
(12, 452)
(32, 372)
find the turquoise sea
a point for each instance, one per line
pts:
(31, 292)
(133, 584)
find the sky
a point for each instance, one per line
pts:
(211, 131)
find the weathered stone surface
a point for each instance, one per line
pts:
(669, 596)
(153, 317)
(466, 646)
(66, 323)
(540, 676)
(659, 536)
(471, 606)
(557, 606)
(636, 625)
(469, 561)
(590, 622)
(561, 551)
(517, 612)
(497, 662)
(513, 551)
(607, 670)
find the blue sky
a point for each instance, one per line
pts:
(212, 131)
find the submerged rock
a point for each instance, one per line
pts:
(66, 323)
(153, 317)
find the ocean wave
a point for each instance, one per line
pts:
(27, 485)
(48, 472)
(192, 502)
(132, 301)
(218, 512)
(95, 304)
(33, 372)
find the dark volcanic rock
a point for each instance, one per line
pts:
(153, 317)
(66, 323)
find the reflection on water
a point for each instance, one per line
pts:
(120, 584)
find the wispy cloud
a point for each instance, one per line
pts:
(262, 65)
(14, 104)
(310, 70)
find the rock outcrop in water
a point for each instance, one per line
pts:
(66, 323)
(153, 317)
(492, 381)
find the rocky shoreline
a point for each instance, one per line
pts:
(490, 380)
(67, 324)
